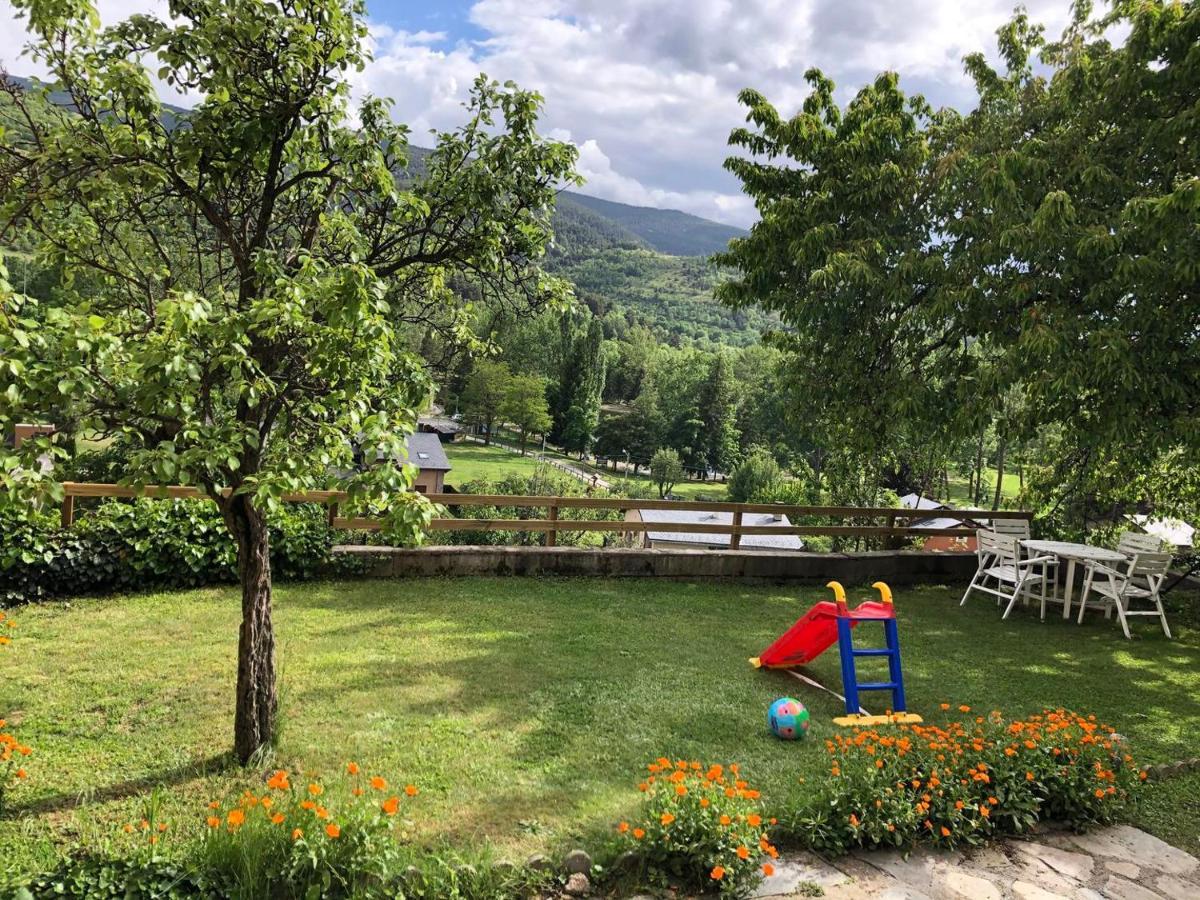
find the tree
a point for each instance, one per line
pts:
(484, 393)
(718, 413)
(257, 264)
(575, 400)
(525, 406)
(666, 469)
(927, 263)
(755, 476)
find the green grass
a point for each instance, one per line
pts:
(473, 462)
(960, 495)
(524, 708)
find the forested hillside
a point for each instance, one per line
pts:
(665, 230)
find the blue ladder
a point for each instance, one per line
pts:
(849, 653)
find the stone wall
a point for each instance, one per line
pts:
(894, 567)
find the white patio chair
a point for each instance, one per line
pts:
(1004, 573)
(1019, 528)
(1140, 578)
(1133, 542)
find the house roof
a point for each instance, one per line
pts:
(753, 541)
(440, 424)
(1175, 532)
(425, 452)
(911, 501)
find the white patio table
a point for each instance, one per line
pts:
(1072, 553)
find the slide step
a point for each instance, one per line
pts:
(878, 686)
(873, 651)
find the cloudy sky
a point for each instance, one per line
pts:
(647, 88)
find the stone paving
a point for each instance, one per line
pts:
(1119, 863)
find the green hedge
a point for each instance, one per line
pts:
(126, 545)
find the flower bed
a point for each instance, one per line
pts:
(965, 781)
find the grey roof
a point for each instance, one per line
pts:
(425, 452)
(757, 541)
(442, 424)
(910, 501)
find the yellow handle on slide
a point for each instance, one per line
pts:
(839, 593)
(884, 591)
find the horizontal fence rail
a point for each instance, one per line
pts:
(551, 525)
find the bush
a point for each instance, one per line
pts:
(754, 477)
(128, 545)
(700, 826)
(99, 878)
(965, 782)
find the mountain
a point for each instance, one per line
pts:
(648, 264)
(665, 230)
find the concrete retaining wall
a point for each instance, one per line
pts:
(894, 567)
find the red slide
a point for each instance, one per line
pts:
(814, 633)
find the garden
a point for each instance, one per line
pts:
(523, 715)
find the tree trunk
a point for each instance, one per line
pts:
(254, 715)
(487, 435)
(977, 494)
(999, 472)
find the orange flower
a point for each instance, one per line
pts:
(380, 784)
(754, 820)
(853, 820)
(945, 706)
(704, 802)
(743, 852)
(297, 834)
(332, 830)
(964, 708)
(680, 790)
(945, 831)
(162, 826)
(717, 873)
(214, 805)
(213, 822)
(666, 818)
(768, 870)
(307, 804)
(21, 773)
(321, 812)
(279, 781)
(984, 811)
(638, 834)
(725, 820)
(277, 818)
(623, 827)
(315, 789)
(127, 828)
(1099, 793)
(352, 768)
(411, 790)
(390, 805)
(236, 817)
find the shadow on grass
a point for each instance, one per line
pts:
(122, 790)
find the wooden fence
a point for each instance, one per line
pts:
(896, 522)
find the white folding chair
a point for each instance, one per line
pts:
(1003, 573)
(1019, 528)
(1140, 578)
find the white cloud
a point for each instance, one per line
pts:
(647, 88)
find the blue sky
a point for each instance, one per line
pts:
(647, 88)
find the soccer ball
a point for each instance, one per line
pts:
(788, 719)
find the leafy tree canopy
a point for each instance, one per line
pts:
(926, 263)
(253, 267)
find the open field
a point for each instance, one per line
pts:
(523, 708)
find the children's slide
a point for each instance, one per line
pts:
(814, 633)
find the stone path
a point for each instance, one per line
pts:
(1119, 863)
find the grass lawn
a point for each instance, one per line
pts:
(472, 462)
(524, 708)
(959, 488)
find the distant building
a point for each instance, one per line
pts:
(426, 453)
(1179, 534)
(444, 427)
(667, 539)
(940, 543)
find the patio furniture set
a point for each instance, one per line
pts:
(1013, 566)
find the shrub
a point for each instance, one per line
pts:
(699, 825)
(964, 782)
(102, 878)
(126, 545)
(754, 477)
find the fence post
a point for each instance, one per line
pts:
(890, 542)
(735, 538)
(333, 511)
(552, 534)
(68, 511)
